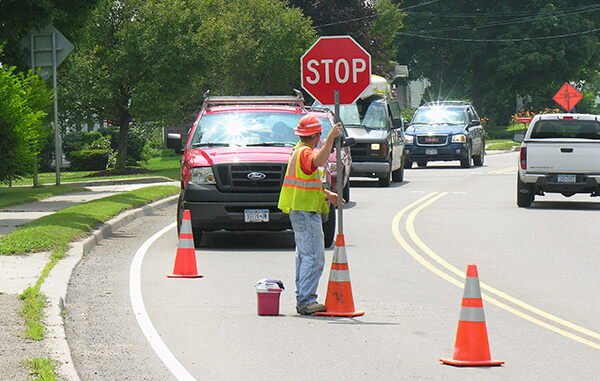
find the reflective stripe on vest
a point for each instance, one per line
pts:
(301, 191)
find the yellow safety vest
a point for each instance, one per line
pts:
(301, 191)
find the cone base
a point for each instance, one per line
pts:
(472, 363)
(340, 314)
(185, 276)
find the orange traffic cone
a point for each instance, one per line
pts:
(339, 301)
(185, 259)
(472, 347)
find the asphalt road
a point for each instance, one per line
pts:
(408, 247)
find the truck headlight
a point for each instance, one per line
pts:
(202, 176)
(459, 138)
(408, 139)
(375, 147)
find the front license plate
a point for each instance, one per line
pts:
(567, 179)
(256, 215)
(431, 151)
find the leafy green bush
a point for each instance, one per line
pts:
(89, 160)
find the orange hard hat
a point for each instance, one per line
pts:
(308, 125)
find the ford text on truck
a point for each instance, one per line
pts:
(234, 163)
(560, 153)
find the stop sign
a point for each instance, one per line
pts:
(335, 63)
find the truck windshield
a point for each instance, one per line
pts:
(438, 116)
(566, 128)
(375, 116)
(246, 128)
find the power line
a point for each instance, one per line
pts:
(499, 39)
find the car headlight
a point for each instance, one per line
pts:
(202, 175)
(375, 147)
(409, 139)
(459, 138)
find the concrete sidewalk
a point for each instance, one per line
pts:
(19, 272)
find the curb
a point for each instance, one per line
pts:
(56, 285)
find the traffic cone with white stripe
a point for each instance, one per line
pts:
(185, 259)
(339, 301)
(471, 347)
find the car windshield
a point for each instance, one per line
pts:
(247, 128)
(566, 128)
(375, 116)
(436, 116)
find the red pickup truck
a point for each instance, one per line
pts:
(235, 160)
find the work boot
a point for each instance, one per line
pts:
(310, 308)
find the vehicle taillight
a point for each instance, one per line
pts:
(523, 158)
(567, 118)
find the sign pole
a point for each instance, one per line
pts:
(57, 156)
(338, 166)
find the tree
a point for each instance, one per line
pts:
(144, 61)
(372, 24)
(254, 46)
(22, 129)
(135, 61)
(490, 52)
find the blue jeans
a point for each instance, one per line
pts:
(310, 254)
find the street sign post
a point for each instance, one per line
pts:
(336, 70)
(567, 97)
(46, 49)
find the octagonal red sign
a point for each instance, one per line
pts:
(567, 97)
(335, 63)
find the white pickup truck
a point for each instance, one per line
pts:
(560, 153)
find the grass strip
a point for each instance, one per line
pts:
(55, 231)
(21, 195)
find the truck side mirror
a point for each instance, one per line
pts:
(397, 123)
(174, 142)
(519, 137)
(349, 142)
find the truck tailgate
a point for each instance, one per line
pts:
(577, 156)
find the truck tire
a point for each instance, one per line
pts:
(407, 164)
(479, 159)
(329, 227)
(385, 180)
(197, 233)
(466, 162)
(525, 194)
(398, 174)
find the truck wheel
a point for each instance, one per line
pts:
(385, 180)
(398, 174)
(422, 163)
(329, 227)
(466, 162)
(407, 164)
(525, 194)
(195, 231)
(479, 159)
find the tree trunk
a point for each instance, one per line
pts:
(122, 153)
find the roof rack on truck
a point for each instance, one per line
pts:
(286, 100)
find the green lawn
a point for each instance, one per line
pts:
(167, 166)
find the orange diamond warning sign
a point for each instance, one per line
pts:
(567, 97)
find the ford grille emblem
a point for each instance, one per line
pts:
(256, 176)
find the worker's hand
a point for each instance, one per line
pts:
(335, 131)
(333, 198)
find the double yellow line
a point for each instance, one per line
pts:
(443, 269)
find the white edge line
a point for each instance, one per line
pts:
(137, 302)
